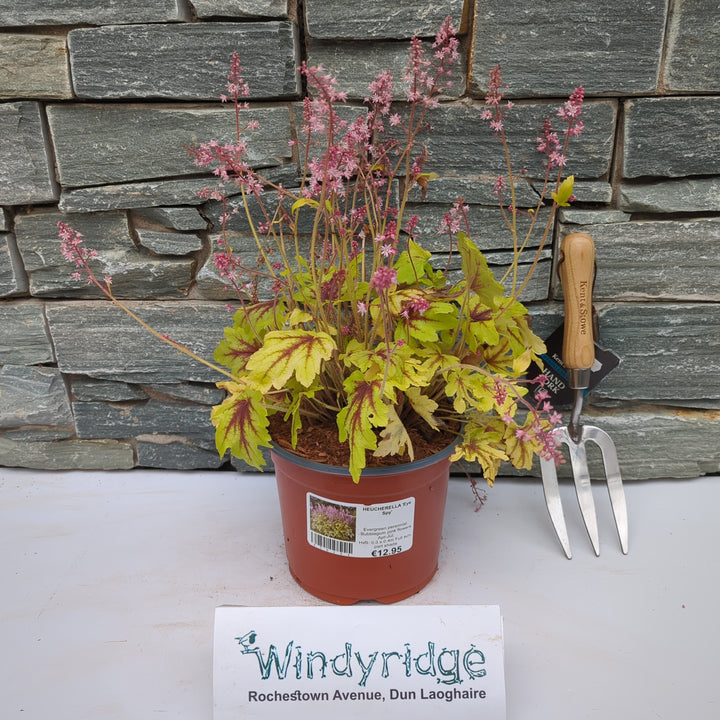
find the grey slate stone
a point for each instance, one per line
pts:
(693, 56)
(487, 226)
(13, 280)
(154, 193)
(167, 243)
(462, 144)
(668, 351)
(201, 394)
(34, 66)
(670, 196)
(15, 13)
(187, 61)
(571, 216)
(176, 455)
(683, 263)
(109, 421)
(241, 8)
(33, 396)
(35, 434)
(67, 455)
(99, 144)
(134, 272)
(133, 195)
(546, 51)
(26, 174)
(671, 137)
(176, 218)
(91, 390)
(375, 20)
(474, 189)
(4, 220)
(97, 339)
(24, 339)
(591, 192)
(356, 64)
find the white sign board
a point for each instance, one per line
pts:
(358, 662)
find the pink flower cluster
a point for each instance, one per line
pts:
(74, 251)
(383, 278)
(549, 143)
(541, 414)
(236, 86)
(496, 111)
(424, 78)
(453, 220)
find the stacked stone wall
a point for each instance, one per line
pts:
(99, 99)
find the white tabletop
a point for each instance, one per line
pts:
(110, 582)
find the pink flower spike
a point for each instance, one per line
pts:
(383, 278)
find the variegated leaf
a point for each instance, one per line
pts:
(241, 424)
(365, 410)
(288, 353)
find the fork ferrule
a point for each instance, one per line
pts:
(579, 379)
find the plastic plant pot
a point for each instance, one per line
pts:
(378, 539)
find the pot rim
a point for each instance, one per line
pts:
(367, 471)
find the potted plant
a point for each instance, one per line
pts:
(367, 370)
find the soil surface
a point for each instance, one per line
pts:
(320, 443)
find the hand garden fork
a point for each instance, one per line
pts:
(577, 265)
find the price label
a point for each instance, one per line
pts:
(365, 531)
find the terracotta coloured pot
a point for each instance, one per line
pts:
(375, 540)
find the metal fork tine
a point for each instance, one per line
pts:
(614, 481)
(554, 503)
(583, 489)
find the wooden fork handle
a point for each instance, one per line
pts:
(577, 267)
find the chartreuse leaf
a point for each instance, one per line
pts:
(425, 328)
(468, 387)
(298, 317)
(498, 357)
(256, 319)
(244, 338)
(423, 406)
(394, 438)
(302, 202)
(478, 325)
(288, 353)
(241, 423)
(521, 363)
(434, 360)
(297, 395)
(365, 410)
(565, 191)
(476, 272)
(234, 351)
(521, 445)
(413, 264)
(402, 370)
(528, 339)
(481, 442)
